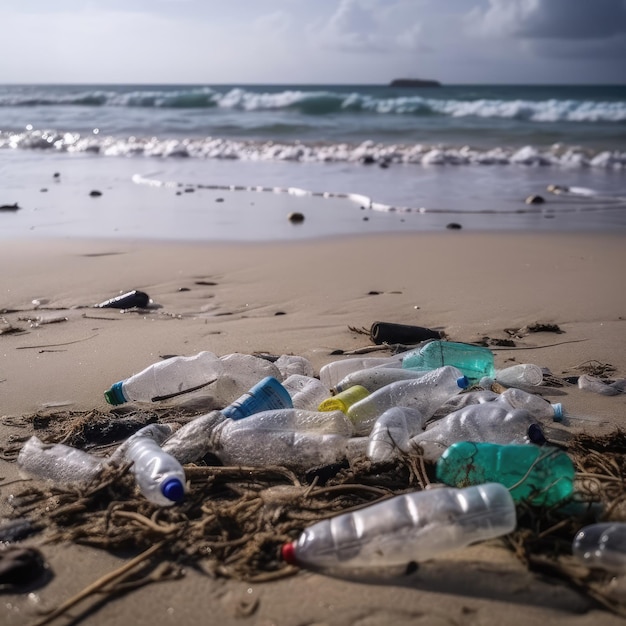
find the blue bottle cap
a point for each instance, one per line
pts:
(115, 395)
(173, 490)
(558, 412)
(462, 382)
(535, 434)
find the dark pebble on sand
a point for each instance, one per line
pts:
(95, 193)
(454, 226)
(43, 190)
(219, 199)
(535, 200)
(295, 217)
(189, 190)
(56, 175)
(280, 313)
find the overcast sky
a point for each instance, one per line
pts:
(312, 41)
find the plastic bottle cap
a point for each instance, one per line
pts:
(288, 552)
(115, 395)
(173, 490)
(558, 412)
(462, 382)
(535, 434)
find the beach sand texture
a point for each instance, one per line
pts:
(302, 298)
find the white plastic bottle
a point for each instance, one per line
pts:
(159, 476)
(520, 375)
(289, 364)
(425, 393)
(411, 527)
(491, 422)
(602, 546)
(538, 407)
(306, 392)
(58, 463)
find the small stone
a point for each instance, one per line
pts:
(95, 193)
(535, 200)
(454, 226)
(295, 217)
(56, 175)
(219, 199)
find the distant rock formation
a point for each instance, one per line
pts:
(414, 82)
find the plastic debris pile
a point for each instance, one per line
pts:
(255, 469)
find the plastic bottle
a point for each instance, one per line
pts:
(266, 394)
(537, 406)
(538, 475)
(392, 432)
(474, 361)
(462, 400)
(344, 400)
(306, 391)
(602, 546)
(289, 364)
(489, 422)
(411, 527)
(333, 372)
(193, 440)
(159, 476)
(374, 378)
(426, 394)
(223, 379)
(597, 385)
(291, 437)
(58, 463)
(520, 375)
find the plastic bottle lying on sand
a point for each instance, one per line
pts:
(489, 422)
(592, 383)
(411, 527)
(333, 372)
(537, 406)
(392, 433)
(542, 476)
(426, 394)
(374, 378)
(289, 364)
(474, 361)
(291, 437)
(267, 394)
(461, 400)
(58, 463)
(520, 375)
(220, 379)
(602, 546)
(306, 391)
(160, 477)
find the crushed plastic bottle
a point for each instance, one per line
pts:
(306, 392)
(474, 361)
(411, 527)
(392, 433)
(489, 422)
(602, 546)
(597, 385)
(425, 393)
(542, 476)
(58, 463)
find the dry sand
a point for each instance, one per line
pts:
(301, 298)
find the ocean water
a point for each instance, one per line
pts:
(468, 154)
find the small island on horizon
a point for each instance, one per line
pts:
(414, 82)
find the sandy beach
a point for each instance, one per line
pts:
(303, 298)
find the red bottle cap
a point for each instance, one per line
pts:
(288, 552)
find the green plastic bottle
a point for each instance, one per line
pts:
(474, 361)
(539, 475)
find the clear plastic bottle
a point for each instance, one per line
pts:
(159, 476)
(490, 422)
(343, 400)
(392, 432)
(411, 527)
(520, 375)
(58, 463)
(291, 437)
(333, 372)
(542, 476)
(222, 379)
(461, 400)
(374, 378)
(289, 364)
(425, 393)
(537, 406)
(193, 440)
(474, 361)
(306, 391)
(602, 546)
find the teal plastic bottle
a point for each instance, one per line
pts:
(474, 361)
(539, 475)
